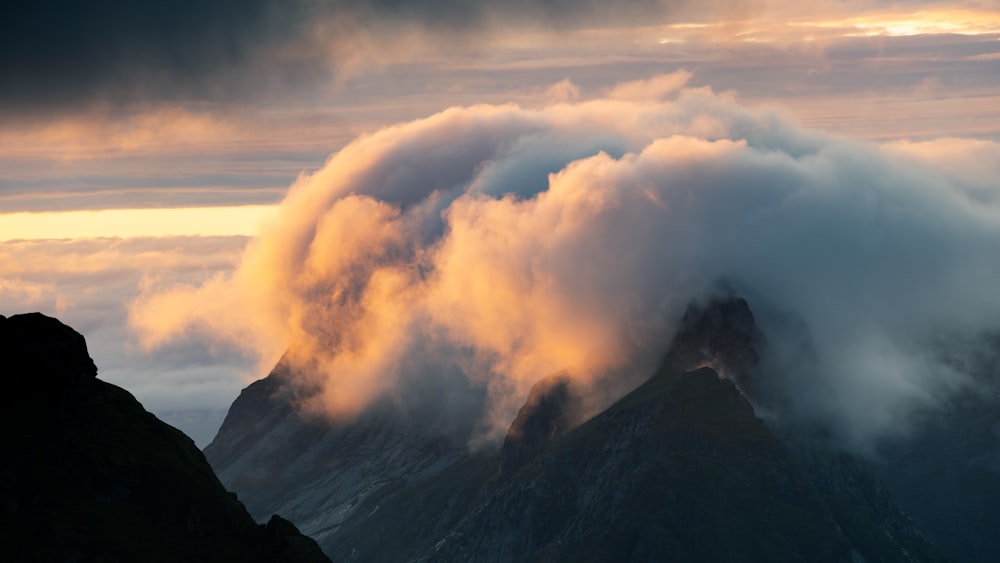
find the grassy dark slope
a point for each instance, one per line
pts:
(91, 476)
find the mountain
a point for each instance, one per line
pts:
(314, 471)
(947, 474)
(680, 469)
(548, 413)
(89, 475)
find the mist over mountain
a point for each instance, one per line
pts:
(89, 475)
(681, 468)
(484, 247)
(414, 291)
(947, 475)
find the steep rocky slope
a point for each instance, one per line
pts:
(314, 471)
(679, 470)
(89, 475)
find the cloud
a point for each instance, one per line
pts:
(972, 164)
(58, 54)
(67, 55)
(101, 134)
(505, 244)
(88, 284)
(650, 89)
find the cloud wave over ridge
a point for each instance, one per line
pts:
(504, 244)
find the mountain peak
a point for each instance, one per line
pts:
(51, 352)
(680, 469)
(720, 333)
(549, 412)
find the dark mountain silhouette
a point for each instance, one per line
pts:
(89, 475)
(681, 469)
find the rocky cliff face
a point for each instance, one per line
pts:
(89, 475)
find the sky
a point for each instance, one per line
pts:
(502, 190)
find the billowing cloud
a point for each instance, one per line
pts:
(653, 88)
(505, 244)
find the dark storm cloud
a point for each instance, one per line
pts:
(444, 13)
(61, 53)
(64, 55)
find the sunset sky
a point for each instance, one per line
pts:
(144, 145)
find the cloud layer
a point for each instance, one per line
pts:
(63, 56)
(66, 55)
(88, 284)
(505, 244)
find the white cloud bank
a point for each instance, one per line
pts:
(505, 244)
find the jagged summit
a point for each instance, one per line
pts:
(720, 333)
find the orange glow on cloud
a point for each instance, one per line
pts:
(962, 22)
(508, 244)
(202, 221)
(789, 25)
